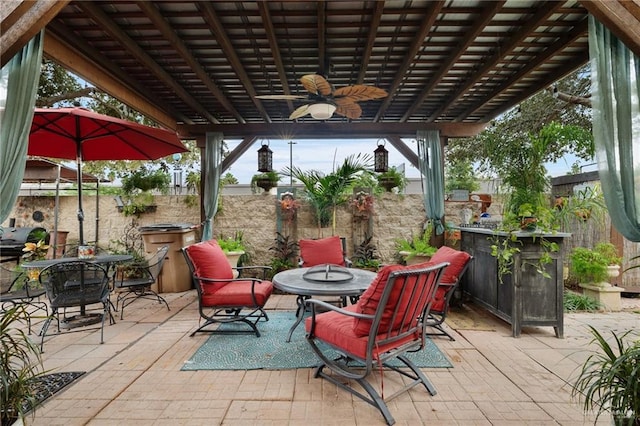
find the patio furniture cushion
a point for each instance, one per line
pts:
(323, 250)
(370, 299)
(210, 261)
(457, 260)
(238, 293)
(337, 329)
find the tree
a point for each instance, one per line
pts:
(563, 104)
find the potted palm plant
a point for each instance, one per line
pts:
(609, 380)
(326, 192)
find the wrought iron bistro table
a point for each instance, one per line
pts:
(320, 281)
(107, 260)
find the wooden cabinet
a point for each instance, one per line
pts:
(524, 297)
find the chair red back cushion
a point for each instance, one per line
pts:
(457, 261)
(324, 250)
(209, 261)
(370, 299)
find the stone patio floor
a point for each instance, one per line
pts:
(135, 377)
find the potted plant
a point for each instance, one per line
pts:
(609, 380)
(593, 265)
(21, 366)
(366, 255)
(326, 192)
(417, 248)
(234, 248)
(266, 181)
(285, 253)
(137, 196)
(391, 179)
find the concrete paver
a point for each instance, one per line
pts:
(135, 377)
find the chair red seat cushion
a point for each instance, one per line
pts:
(457, 260)
(337, 329)
(209, 261)
(370, 299)
(438, 304)
(238, 293)
(321, 251)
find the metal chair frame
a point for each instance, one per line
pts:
(75, 284)
(437, 317)
(407, 334)
(21, 291)
(249, 314)
(132, 289)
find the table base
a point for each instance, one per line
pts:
(80, 321)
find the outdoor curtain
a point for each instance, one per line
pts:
(430, 164)
(212, 168)
(18, 88)
(615, 75)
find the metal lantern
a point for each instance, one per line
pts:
(381, 158)
(265, 158)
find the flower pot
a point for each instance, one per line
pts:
(415, 259)
(387, 183)
(529, 223)
(266, 184)
(613, 270)
(233, 257)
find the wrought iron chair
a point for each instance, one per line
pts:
(17, 288)
(137, 278)
(458, 263)
(75, 284)
(384, 325)
(222, 298)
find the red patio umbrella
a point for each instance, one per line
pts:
(83, 135)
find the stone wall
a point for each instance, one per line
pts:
(395, 216)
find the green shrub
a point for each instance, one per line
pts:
(579, 302)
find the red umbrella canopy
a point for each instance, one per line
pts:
(59, 132)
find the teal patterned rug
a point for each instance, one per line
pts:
(270, 351)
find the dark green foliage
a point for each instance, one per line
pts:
(579, 302)
(610, 378)
(20, 361)
(285, 253)
(366, 254)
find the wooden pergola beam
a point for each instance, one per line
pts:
(622, 18)
(330, 130)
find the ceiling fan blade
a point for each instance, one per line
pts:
(316, 84)
(349, 110)
(299, 112)
(281, 97)
(359, 92)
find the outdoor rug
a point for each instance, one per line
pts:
(47, 385)
(270, 351)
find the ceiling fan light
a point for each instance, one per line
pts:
(321, 111)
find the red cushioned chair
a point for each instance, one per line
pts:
(384, 325)
(458, 263)
(221, 298)
(321, 251)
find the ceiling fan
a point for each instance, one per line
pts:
(324, 101)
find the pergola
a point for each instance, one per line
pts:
(197, 66)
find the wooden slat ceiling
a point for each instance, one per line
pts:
(197, 63)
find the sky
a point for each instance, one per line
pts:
(324, 154)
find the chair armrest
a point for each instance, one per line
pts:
(262, 268)
(312, 303)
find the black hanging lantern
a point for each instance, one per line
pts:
(265, 158)
(381, 158)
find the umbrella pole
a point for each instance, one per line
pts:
(55, 215)
(97, 210)
(80, 212)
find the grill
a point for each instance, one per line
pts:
(12, 239)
